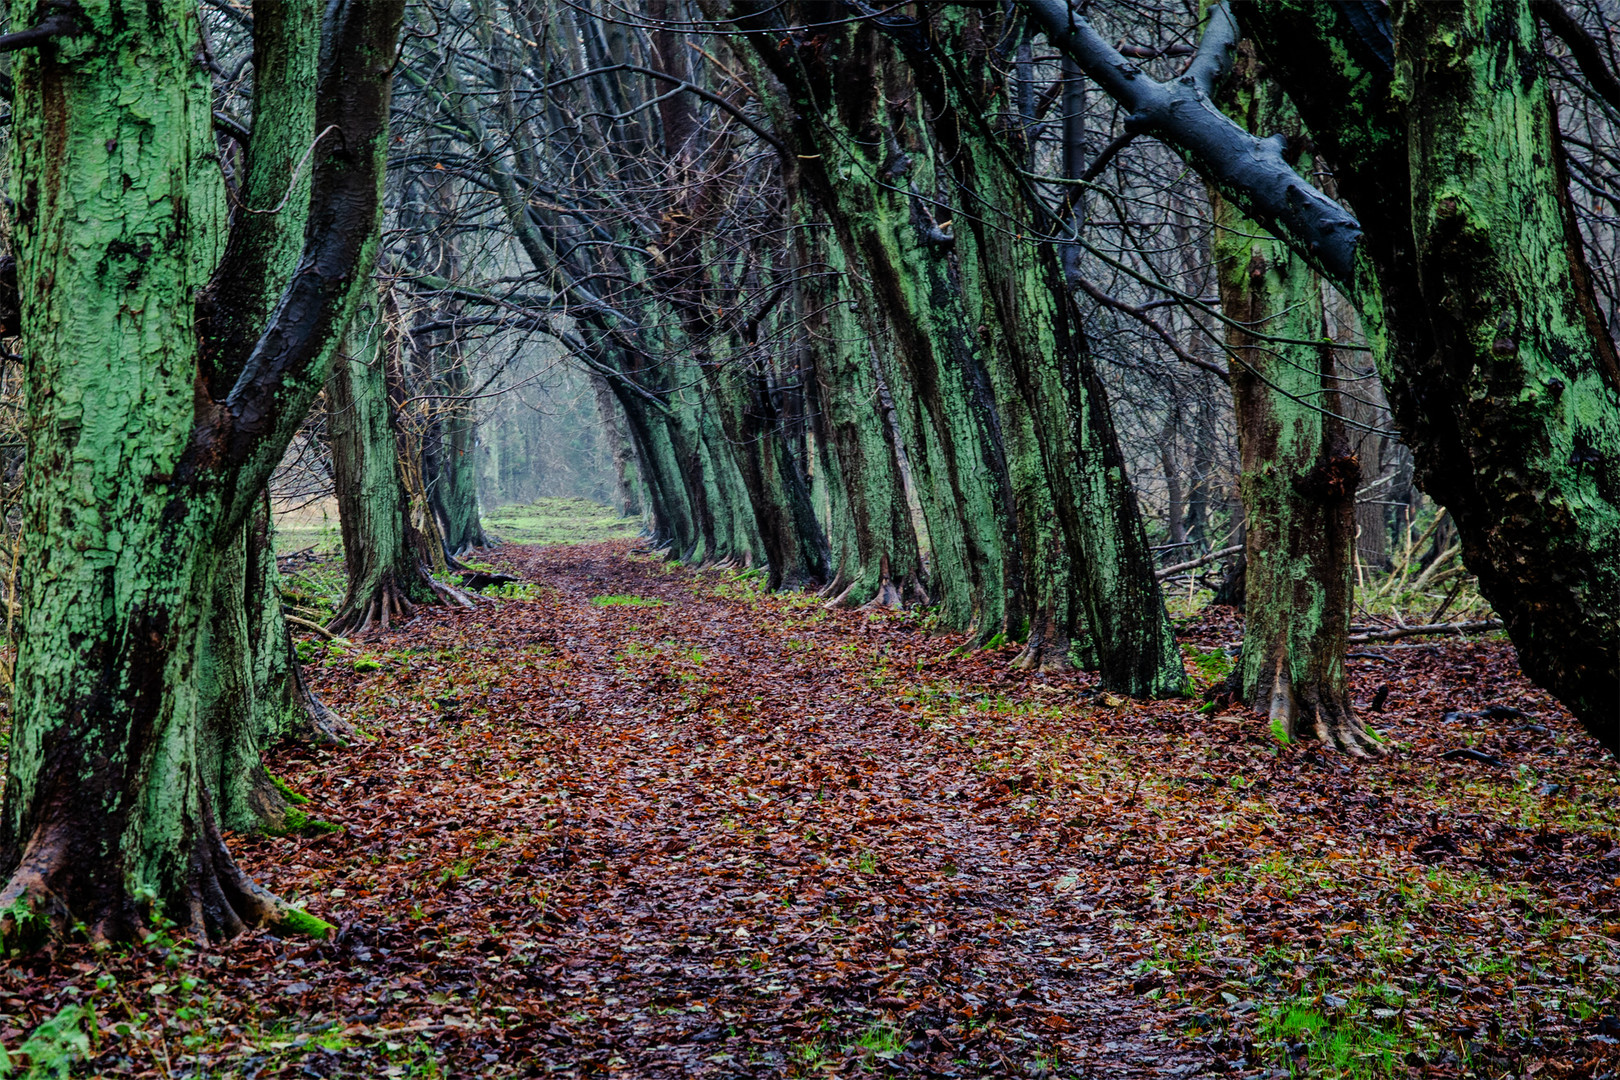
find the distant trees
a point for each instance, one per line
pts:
(847, 284)
(889, 303)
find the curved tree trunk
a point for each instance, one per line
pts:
(857, 157)
(874, 557)
(1086, 552)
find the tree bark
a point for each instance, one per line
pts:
(874, 557)
(1086, 553)
(624, 481)
(1299, 476)
(451, 468)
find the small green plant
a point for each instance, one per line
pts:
(1212, 664)
(516, 590)
(881, 1040)
(1308, 1043)
(287, 792)
(53, 1048)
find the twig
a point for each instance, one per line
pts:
(305, 624)
(1446, 603)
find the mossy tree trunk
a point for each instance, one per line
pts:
(700, 282)
(386, 577)
(1087, 553)
(874, 556)
(1473, 286)
(250, 689)
(147, 452)
(1299, 477)
(842, 113)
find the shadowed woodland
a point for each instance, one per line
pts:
(809, 538)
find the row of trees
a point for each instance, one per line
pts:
(862, 286)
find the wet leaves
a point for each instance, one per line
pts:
(713, 833)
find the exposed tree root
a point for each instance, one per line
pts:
(888, 596)
(387, 604)
(1047, 650)
(48, 897)
(845, 592)
(1048, 656)
(1315, 712)
(318, 724)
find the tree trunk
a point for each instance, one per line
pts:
(624, 486)
(250, 688)
(874, 554)
(1475, 288)
(452, 469)
(1298, 476)
(386, 579)
(144, 459)
(1175, 524)
(1086, 550)
(852, 163)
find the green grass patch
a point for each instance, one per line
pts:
(1212, 665)
(1346, 1047)
(560, 521)
(297, 821)
(627, 601)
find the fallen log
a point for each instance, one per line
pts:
(1200, 561)
(1437, 629)
(305, 624)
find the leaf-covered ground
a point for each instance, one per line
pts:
(647, 822)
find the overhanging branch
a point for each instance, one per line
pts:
(63, 21)
(1250, 171)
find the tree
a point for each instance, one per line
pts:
(250, 689)
(1299, 477)
(1466, 266)
(146, 452)
(982, 319)
(386, 578)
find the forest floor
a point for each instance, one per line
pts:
(642, 821)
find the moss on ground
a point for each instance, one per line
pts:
(560, 521)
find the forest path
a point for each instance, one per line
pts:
(711, 837)
(713, 833)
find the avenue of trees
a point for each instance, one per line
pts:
(960, 305)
